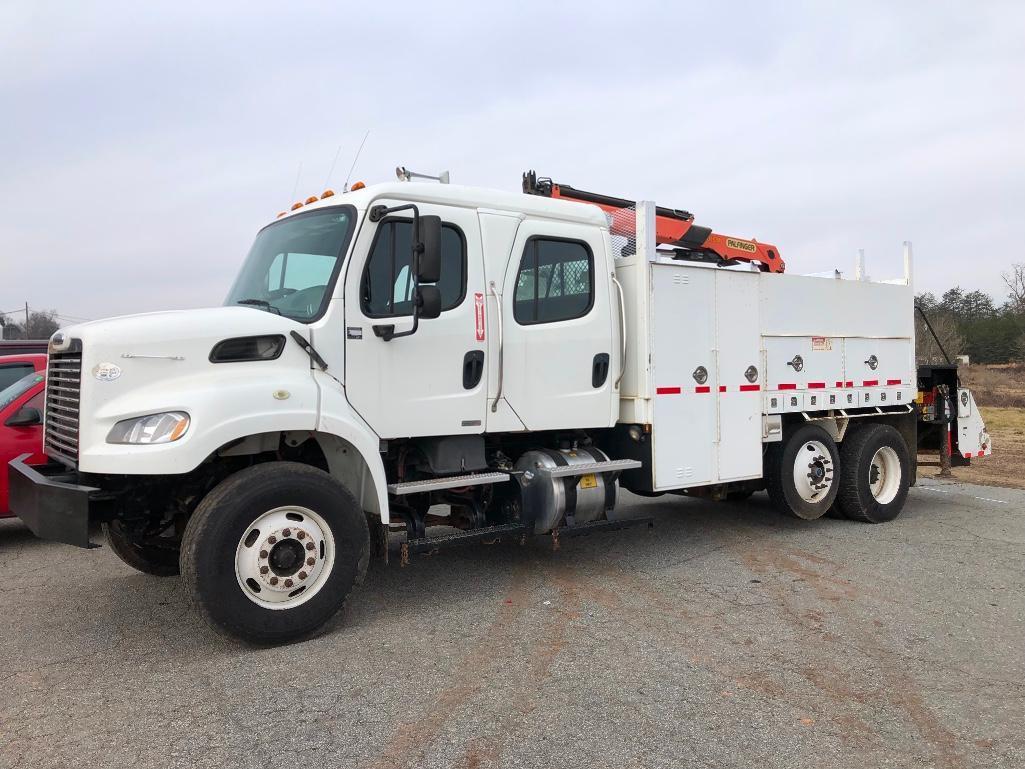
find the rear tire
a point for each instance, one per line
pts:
(800, 473)
(149, 559)
(246, 548)
(875, 474)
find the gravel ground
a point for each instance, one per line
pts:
(725, 636)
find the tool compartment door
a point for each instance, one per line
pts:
(739, 448)
(683, 327)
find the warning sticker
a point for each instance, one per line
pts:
(588, 481)
(478, 313)
(821, 344)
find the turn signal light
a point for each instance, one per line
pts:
(357, 186)
(296, 205)
(328, 194)
(311, 199)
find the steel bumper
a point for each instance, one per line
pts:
(50, 507)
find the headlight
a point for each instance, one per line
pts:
(155, 428)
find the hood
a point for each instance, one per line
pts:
(178, 332)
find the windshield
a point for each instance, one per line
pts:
(292, 264)
(12, 392)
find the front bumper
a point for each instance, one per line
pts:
(49, 505)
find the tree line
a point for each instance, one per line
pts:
(971, 323)
(41, 324)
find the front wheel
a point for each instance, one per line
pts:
(272, 553)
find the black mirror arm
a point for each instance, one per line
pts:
(386, 332)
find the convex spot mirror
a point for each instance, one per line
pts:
(26, 416)
(429, 264)
(428, 302)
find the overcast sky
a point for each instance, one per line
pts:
(144, 143)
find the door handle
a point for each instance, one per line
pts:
(600, 369)
(473, 368)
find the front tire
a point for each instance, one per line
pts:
(875, 474)
(800, 473)
(273, 552)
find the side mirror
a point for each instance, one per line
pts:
(27, 416)
(429, 270)
(428, 301)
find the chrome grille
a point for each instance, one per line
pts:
(63, 383)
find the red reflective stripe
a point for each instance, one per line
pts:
(892, 381)
(816, 385)
(850, 384)
(870, 383)
(968, 456)
(787, 386)
(839, 384)
(982, 453)
(750, 388)
(704, 389)
(667, 390)
(722, 388)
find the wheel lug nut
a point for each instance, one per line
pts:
(302, 575)
(272, 539)
(287, 532)
(264, 569)
(274, 580)
(310, 561)
(310, 546)
(288, 583)
(263, 553)
(301, 534)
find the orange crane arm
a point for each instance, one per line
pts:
(673, 227)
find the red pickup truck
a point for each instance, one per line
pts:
(21, 414)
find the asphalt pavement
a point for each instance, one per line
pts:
(725, 636)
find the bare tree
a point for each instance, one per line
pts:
(41, 324)
(926, 348)
(1015, 281)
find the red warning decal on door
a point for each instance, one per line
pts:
(478, 311)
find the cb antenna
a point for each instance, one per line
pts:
(353, 166)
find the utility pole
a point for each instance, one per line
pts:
(26, 320)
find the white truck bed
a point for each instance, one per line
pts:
(714, 352)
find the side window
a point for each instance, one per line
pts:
(387, 285)
(12, 372)
(555, 281)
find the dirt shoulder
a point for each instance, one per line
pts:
(1006, 467)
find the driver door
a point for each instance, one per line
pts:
(435, 381)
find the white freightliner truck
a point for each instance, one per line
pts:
(410, 356)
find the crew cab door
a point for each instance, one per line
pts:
(433, 382)
(560, 340)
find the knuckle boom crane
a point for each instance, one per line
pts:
(673, 227)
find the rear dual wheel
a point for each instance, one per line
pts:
(800, 473)
(876, 474)
(866, 479)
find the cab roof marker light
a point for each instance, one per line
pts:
(312, 199)
(327, 194)
(296, 206)
(357, 186)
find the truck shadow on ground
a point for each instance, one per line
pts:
(142, 611)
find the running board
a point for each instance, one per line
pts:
(611, 466)
(451, 482)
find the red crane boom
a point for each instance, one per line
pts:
(673, 227)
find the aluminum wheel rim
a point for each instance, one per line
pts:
(813, 471)
(284, 557)
(884, 475)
